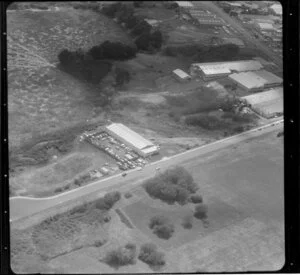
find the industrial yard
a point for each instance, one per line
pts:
(111, 96)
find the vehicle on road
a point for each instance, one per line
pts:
(124, 174)
(157, 168)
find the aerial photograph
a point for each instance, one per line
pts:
(145, 137)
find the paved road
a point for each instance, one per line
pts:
(243, 32)
(25, 206)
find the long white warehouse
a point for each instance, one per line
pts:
(221, 69)
(132, 139)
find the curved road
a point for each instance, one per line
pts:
(243, 32)
(21, 207)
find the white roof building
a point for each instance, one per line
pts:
(268, 103)
(256, 80)
(276, 8)
(184, 4)
(225, 68)
(265, 26)
(137, 142)
(181, 74)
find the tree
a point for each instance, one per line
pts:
(187, 222)
(143, 41)
(164, 231)
(201, 211)
(156, 39)
(157, 221)
(122, 77)
(121, 256)
(149, 255)
(141, 27)
(196, 198)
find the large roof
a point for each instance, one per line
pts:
(269, 95)
(181, 73)
(184, 4)
(257, 79)
(265, 26)
(130, 136)
(227, 67)
(277, 8)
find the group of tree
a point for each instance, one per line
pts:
(202, 53)
(108, 201)
(127, 255)
(146, 37)
(121, 256)
(149, 255)
(162, 227)
(174, 185)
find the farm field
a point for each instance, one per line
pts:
(243, 188)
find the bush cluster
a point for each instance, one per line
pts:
(108, 201)
(201, 211)
(226, 52)
(204, 121)
(122, 256)
(174, 185)
(196, 198)
(187, 222)
(161, 227)
(146, 38)
(149, 255)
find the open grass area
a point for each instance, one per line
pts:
(41, 98)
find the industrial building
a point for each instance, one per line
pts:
(256, 81)
(264, 26)
(214, 70)
(276, 9)
(181, 76)
(184, 4)
(139, 144)
(268, 103)
(235, 41)
(211, 21)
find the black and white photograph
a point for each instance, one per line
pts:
(145, 137)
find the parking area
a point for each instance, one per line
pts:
(125, 156)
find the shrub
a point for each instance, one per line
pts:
(174, 185)
(149, 255)
(127, 195)
(141, 27)
(164, 231)
(157, 221)
(121, 256)
(161, 227)
(196, 198)
(187, 222)
(200, 211)
(122, 77)
(108, 201)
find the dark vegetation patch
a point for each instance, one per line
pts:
(121, 256)
(187, 222)
(174, 185)
(40, 149)
(203, 53)
(162, 227)
(149, 255)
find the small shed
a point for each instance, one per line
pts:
(181, 76)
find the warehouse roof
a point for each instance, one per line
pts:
(268, 95)
(227, 67)
(184, 4)
(258, 79)
(130, 136)
(265, 26)
(181, 73)
(277, 8)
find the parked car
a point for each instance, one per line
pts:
(124, 174)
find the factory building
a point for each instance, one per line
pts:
(268, 103)
(276, 9)
(264, 27)
(185, 4)
(181, 76)
(213, 70)
(256, 81)
(136, 142)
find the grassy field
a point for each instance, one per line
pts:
(243, 188)
(41, 98)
